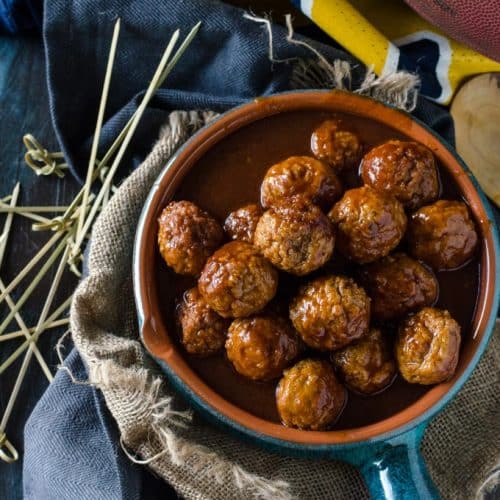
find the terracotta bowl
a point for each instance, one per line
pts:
(393, 441)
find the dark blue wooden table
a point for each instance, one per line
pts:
(24, 108)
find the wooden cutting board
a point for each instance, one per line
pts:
(476, 113)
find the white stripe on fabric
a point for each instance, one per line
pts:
(391, 60)
(306, 6)
(444, 61)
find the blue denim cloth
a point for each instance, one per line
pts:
(71, 445)
(20, 15)
(72, 448)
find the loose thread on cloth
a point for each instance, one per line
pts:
(398, 89)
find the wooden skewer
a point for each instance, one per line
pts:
(5, 208)
(8, 222)
(119, 155)
(25, 331)
(27, 293)
(10, 302)
(41, 320)
(65, 229)
(34, 338)
(31, 264)
(100, 118)
(31, 329)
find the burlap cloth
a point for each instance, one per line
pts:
(461, 446)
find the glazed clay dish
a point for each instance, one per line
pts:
(316, 268)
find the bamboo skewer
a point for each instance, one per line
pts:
(71, 228)
(36, 154)
(34, 338)
(121, 151)
(47, 326)
(29, 353)
(100, 118)
(25, 331)
(60, 223)
(180, 51)
(31, 264)
(7, 451)
(8, 222)
(5, 208)
(25, 296)
(28, 215)
(10, 302)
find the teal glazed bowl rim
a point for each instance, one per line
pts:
(236, 118)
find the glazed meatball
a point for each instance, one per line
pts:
(397, 285)
(405, 169)
(339, 148)
(370, 224)
(300, 176)
(260, 347)
(330, 312)
(296, 238)
(187, 236)
(442, 234)
(203, 330)
(309, 396)
(427, 347)
(237, 280)
(367, 366)
(241, 224)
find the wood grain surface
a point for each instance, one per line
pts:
(476, 113)
(24, 108)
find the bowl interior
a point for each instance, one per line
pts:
(154, 329)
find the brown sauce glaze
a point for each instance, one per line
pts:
(228, 177)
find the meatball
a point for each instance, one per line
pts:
(309, 396)
(187, 236)
(367, 366)
(241, 224)
(203, 330)
(260, 347)
(237, 280)
(405, 169)
(303, 176)
(397, 285)
(370, 224)
(339, 148)
(330, 312)
(296, 238)
(427, 347)
(442, 234)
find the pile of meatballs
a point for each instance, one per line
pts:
(332, 334)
